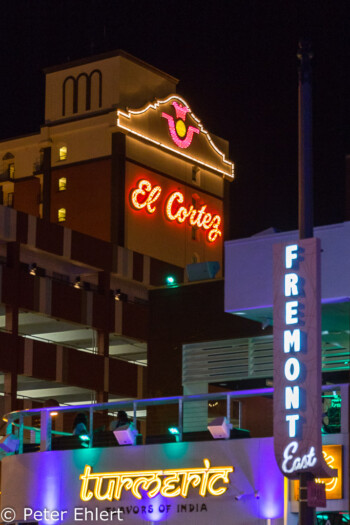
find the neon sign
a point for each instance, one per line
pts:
(334, 486)
(291, 340)
(169, 483)
(181, 135)
(330, 483)
(148, 124)
(148, 196)
(297, 360)
(291, 463)
(145, 196)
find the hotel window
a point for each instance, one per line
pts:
(61, 215)
(62, 153)
(62, 183)
(11, 170)
(9, 165)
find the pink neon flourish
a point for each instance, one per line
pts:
(181, 111)
(182, 143)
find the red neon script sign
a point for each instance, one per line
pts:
(145, 196)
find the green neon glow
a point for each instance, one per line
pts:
(329, 369)
(173, 430)
(170, 279)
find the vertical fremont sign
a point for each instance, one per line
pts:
(297, 359)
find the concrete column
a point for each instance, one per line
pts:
(46, 183)
(104, 279)
(11, 326)
(45, 431)
(118, 189)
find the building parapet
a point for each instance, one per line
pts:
(248, 263)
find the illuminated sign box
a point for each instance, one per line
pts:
(297, 359)
(333, 455)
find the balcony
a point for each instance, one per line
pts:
(42, 435)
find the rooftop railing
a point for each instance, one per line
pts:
(16, 427)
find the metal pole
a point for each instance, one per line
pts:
(135, 414)
(20, 434)
(228, 411)
(307, 515)
(180, 422)
(91, 426)
(305, 142)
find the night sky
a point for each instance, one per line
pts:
(236, 61)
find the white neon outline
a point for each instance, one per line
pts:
(180, 153)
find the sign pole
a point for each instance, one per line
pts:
(297, 333)
(307, 515)
(305, 142)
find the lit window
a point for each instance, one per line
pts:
(11, 170)
(61, 214)
(62, 184)
(63, 153)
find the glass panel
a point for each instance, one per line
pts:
(331, 411)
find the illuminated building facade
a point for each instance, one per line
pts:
(122, 188)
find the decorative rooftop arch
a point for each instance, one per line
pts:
(170, 124)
